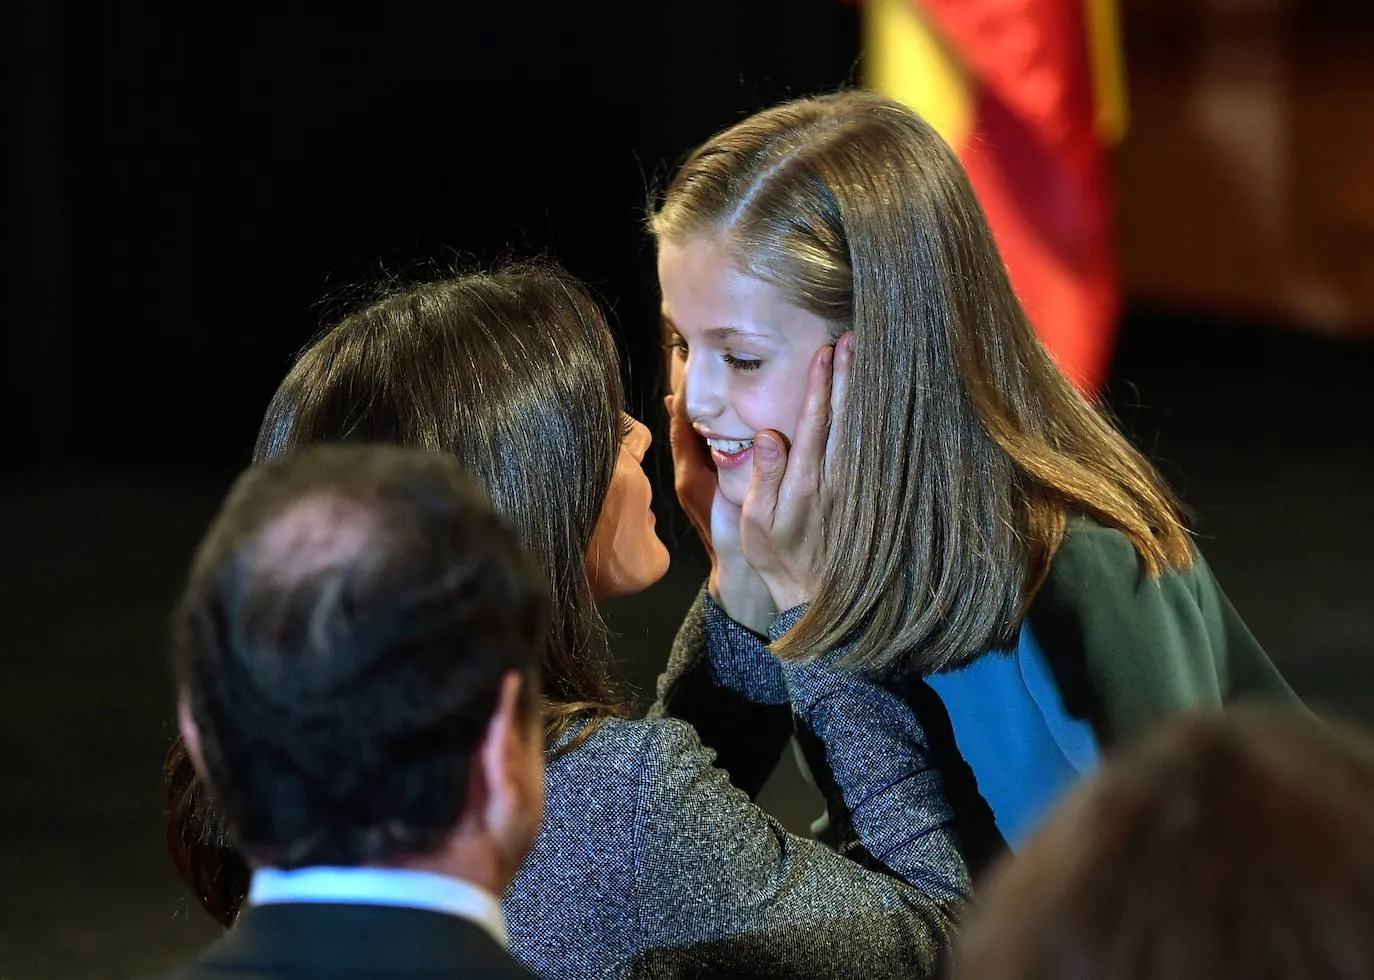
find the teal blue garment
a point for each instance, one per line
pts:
(1012, 728)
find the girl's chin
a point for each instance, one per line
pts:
(733, 487)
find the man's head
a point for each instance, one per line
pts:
(357, 653)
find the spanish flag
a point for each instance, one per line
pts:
(1030, 93)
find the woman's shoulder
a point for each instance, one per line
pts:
(626, 750)
(633, 785)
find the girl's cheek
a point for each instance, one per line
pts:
(771, 406)
(752, 409)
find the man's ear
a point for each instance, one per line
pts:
(190, 734)
(512, 774)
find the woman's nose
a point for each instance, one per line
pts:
(639, 439)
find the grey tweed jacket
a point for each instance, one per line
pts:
(650, 863)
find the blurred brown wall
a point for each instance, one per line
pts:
(1246, 181)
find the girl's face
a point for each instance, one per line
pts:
(626, 555)
(739, 351)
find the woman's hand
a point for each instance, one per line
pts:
(733, 584)
(780, 529)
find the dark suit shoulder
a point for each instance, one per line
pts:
(319, 941)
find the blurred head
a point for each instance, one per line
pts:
(964, 447)
(1231, 846)
(357, 654)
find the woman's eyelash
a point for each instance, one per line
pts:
(742, 364)
(627, 425)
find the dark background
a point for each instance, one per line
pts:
(189, 186)
(186, 187)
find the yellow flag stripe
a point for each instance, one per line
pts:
(1108, 62)
(906, 61)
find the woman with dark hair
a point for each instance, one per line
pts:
(1230, 846)
(990, 544)
(204, 856)
(649, 862)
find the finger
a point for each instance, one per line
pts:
(765, 480)
(686, 445)
(839, 394)
(805, 458)
(694, 479)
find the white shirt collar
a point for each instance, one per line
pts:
(380, 886)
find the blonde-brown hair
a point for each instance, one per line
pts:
(965, 449)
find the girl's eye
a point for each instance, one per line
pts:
(742, 363)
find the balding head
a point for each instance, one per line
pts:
(341, 647)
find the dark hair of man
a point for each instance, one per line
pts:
(341, 643)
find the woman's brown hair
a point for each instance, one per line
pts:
(965, 449)
(1231, 846)
(517, 375)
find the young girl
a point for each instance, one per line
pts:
(990, 545)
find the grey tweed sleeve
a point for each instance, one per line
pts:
(722, 680)
(871, 760)
(723, 890)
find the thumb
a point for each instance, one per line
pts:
(765, 479)
(680, 432)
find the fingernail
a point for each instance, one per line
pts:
(767, 447)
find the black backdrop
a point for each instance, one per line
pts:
(185, 185)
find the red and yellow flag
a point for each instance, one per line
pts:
(1029, 93)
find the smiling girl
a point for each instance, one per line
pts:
(989, 543)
